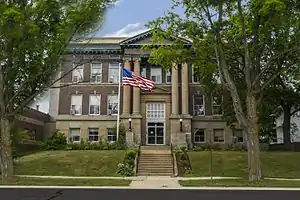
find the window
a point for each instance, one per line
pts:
(144, 71)
(155, 111)
(93, 135)
(77, 74)
(96, 73)
(94, 108)
(199, 136)
(76, 104)
(219, 135)
(198, 105)
(195, 78)
(217, 105)
(168, 77)
(112, 104)
(74, 134)
(156, 74)
(111, 135)
(31, 133)
(238, 136)
(113, 72)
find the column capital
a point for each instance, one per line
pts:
(137, 59)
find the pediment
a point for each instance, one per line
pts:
(145, 39)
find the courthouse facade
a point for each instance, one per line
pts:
(85, 103)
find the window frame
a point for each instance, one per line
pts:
(108, 104)
(110, 135)
(97, 136)
(193, 77)
(101, 75)
(161, 75)
(109, 72)
(71, 109)
(70, 135)
(214, 132)
(218, 105)
(237, 138)
(97, 95)
(80, 70)
(203, 97)
(168, 73)
(204, 136)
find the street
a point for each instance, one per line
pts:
(132, 194)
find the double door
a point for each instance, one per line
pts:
(155, 133)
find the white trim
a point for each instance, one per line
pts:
(76, 105)
(109, 67)
(223, 135)
(193, 76)
(89, 134)
(72, 128)
(162, 121)
(91, 74)
(203, 104)
(197, 129)
(81, 77)
(107, 102)
(161, 75)
(166, 75)
(221, 105)
(97, 95)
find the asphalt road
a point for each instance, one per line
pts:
(141, 194)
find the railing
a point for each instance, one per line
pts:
(136, 160)
(174, 161)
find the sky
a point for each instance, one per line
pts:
(126, 18)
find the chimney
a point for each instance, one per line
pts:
(37, 107)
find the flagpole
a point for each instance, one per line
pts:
(119, 101)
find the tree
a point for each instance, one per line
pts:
(246, 38)
(33, 36)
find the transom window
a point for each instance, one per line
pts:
(74, 134)
(156, 74)
(76, 104)
(77, 74)
(113, 72)
(155, 111)
(238, 136)
(93, 135)
(198, 105)
(112, 104)
(217, 105)
(168, 76)
(111, 135)
(94, 106)
(96, 73)
(219, 135)
(199, 136)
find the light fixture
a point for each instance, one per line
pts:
(181, 129)
(130, 124)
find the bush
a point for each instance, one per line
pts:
(57, 141)
(18, 137)
(127, 167)
(101, 145)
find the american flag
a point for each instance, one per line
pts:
(132, 79)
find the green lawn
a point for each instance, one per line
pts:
(70, 163)
(239, 183)
(234, 163)
(67, 182)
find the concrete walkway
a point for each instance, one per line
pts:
(156, 182)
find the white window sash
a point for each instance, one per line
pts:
(76, 104)
(198, 109)
(168, 74)
(96, 73)
(216, 107)
(113, 77)
(94, 104)
(77, 74)
(112, 104)
(156, 74)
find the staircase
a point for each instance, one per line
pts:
(155, 161)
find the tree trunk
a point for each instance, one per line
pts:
(255, 172)
(286, 127)
(6, 153)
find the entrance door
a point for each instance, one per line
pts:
(155, 123)
(155, 133)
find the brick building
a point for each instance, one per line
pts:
(85, 104)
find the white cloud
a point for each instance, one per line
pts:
(117, 2)
(129, 30)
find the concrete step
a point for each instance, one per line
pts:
(155, 174)
(155, 159)
(154, 167)
(155, 171)
(156, 147)
(146, 162)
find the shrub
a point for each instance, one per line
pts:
(18, 137)
(127, 167)
(57, 141)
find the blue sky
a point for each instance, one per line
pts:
(126, 18)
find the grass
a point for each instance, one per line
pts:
(70, 163)
(67, 182)
(234, 164)
(239, 183)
